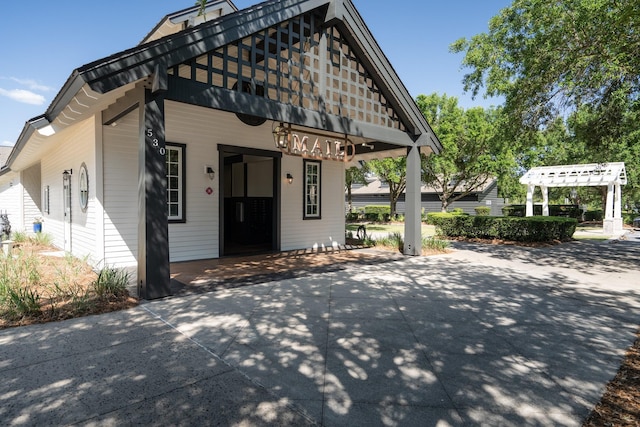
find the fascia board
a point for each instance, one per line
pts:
(138, 63)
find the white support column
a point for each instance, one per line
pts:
(608, 213)
(608, 225)
(530, 189)
(617, 205)
(545, 200)
(413, 196)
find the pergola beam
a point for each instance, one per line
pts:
(611, 175)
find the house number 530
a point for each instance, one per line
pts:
(154, 142)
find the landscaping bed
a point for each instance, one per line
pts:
(40, 284)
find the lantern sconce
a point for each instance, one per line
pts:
(289, 178)
(208, 170)
(281, 136)
(66, 175)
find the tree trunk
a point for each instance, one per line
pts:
(445, 205)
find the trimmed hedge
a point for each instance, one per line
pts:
(570, 211)
(482, 210)
(528, 229)
(377, 212)
(596, 215)
(431, 217)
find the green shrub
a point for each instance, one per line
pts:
(594, 215)
(628, 217)
(393, 240)
(570, 211)
(482, 210)
(457, 211)
(19, 236)
(23, 302)
(111, 282)
(377, 212)
(528, 229)
(434, 244)
(433, 216)
(353, 216)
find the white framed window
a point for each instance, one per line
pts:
(312, 181)
(83, 187)
(45, 201)
(176, 182)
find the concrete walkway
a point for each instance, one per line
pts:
(486, 335)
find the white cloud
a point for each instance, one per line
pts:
(6, 144)
(32, 84)
(24, 96)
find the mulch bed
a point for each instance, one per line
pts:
(620, 404)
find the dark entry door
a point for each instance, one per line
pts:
(250, 202)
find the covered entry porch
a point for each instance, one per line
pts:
(209, 275)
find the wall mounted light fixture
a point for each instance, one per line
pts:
(208, 170)
(290, 178)
(66, 175)
(281, 136)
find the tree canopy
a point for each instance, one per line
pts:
(393, 171)
(569, 72)
(547, 56)
(474, 151)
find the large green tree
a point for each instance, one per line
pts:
(473, 153)
(353, 175)
(576, 59)
(547, 56)
(393, 171)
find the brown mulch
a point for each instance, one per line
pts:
(64, 287)
(620, 404)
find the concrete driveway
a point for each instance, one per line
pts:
(486, 335)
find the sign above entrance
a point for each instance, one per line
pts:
(309, 144)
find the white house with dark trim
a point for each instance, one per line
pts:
(215, 137)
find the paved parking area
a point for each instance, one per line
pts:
(486, 335)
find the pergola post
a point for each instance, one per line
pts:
(617, 204)
(613, 216)
(545, 200)
(608, 212)
(530, 189)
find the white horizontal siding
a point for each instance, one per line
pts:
(298, 233)
(120, 163)
(11, 201)
(68, 150)
(197, 238)
(202, 130)
(30, 179)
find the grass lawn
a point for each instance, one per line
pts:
(427, 230)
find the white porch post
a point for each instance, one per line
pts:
(413, 197)
(529, 211)
(608, 223)
(545, 200)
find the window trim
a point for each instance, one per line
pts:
(84, 204)
(305, 215)
(46, 202)
(182, 193)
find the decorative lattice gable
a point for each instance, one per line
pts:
(297, 62)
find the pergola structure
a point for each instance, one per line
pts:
(611, 175)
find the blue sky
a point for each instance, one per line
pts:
(42, 43)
